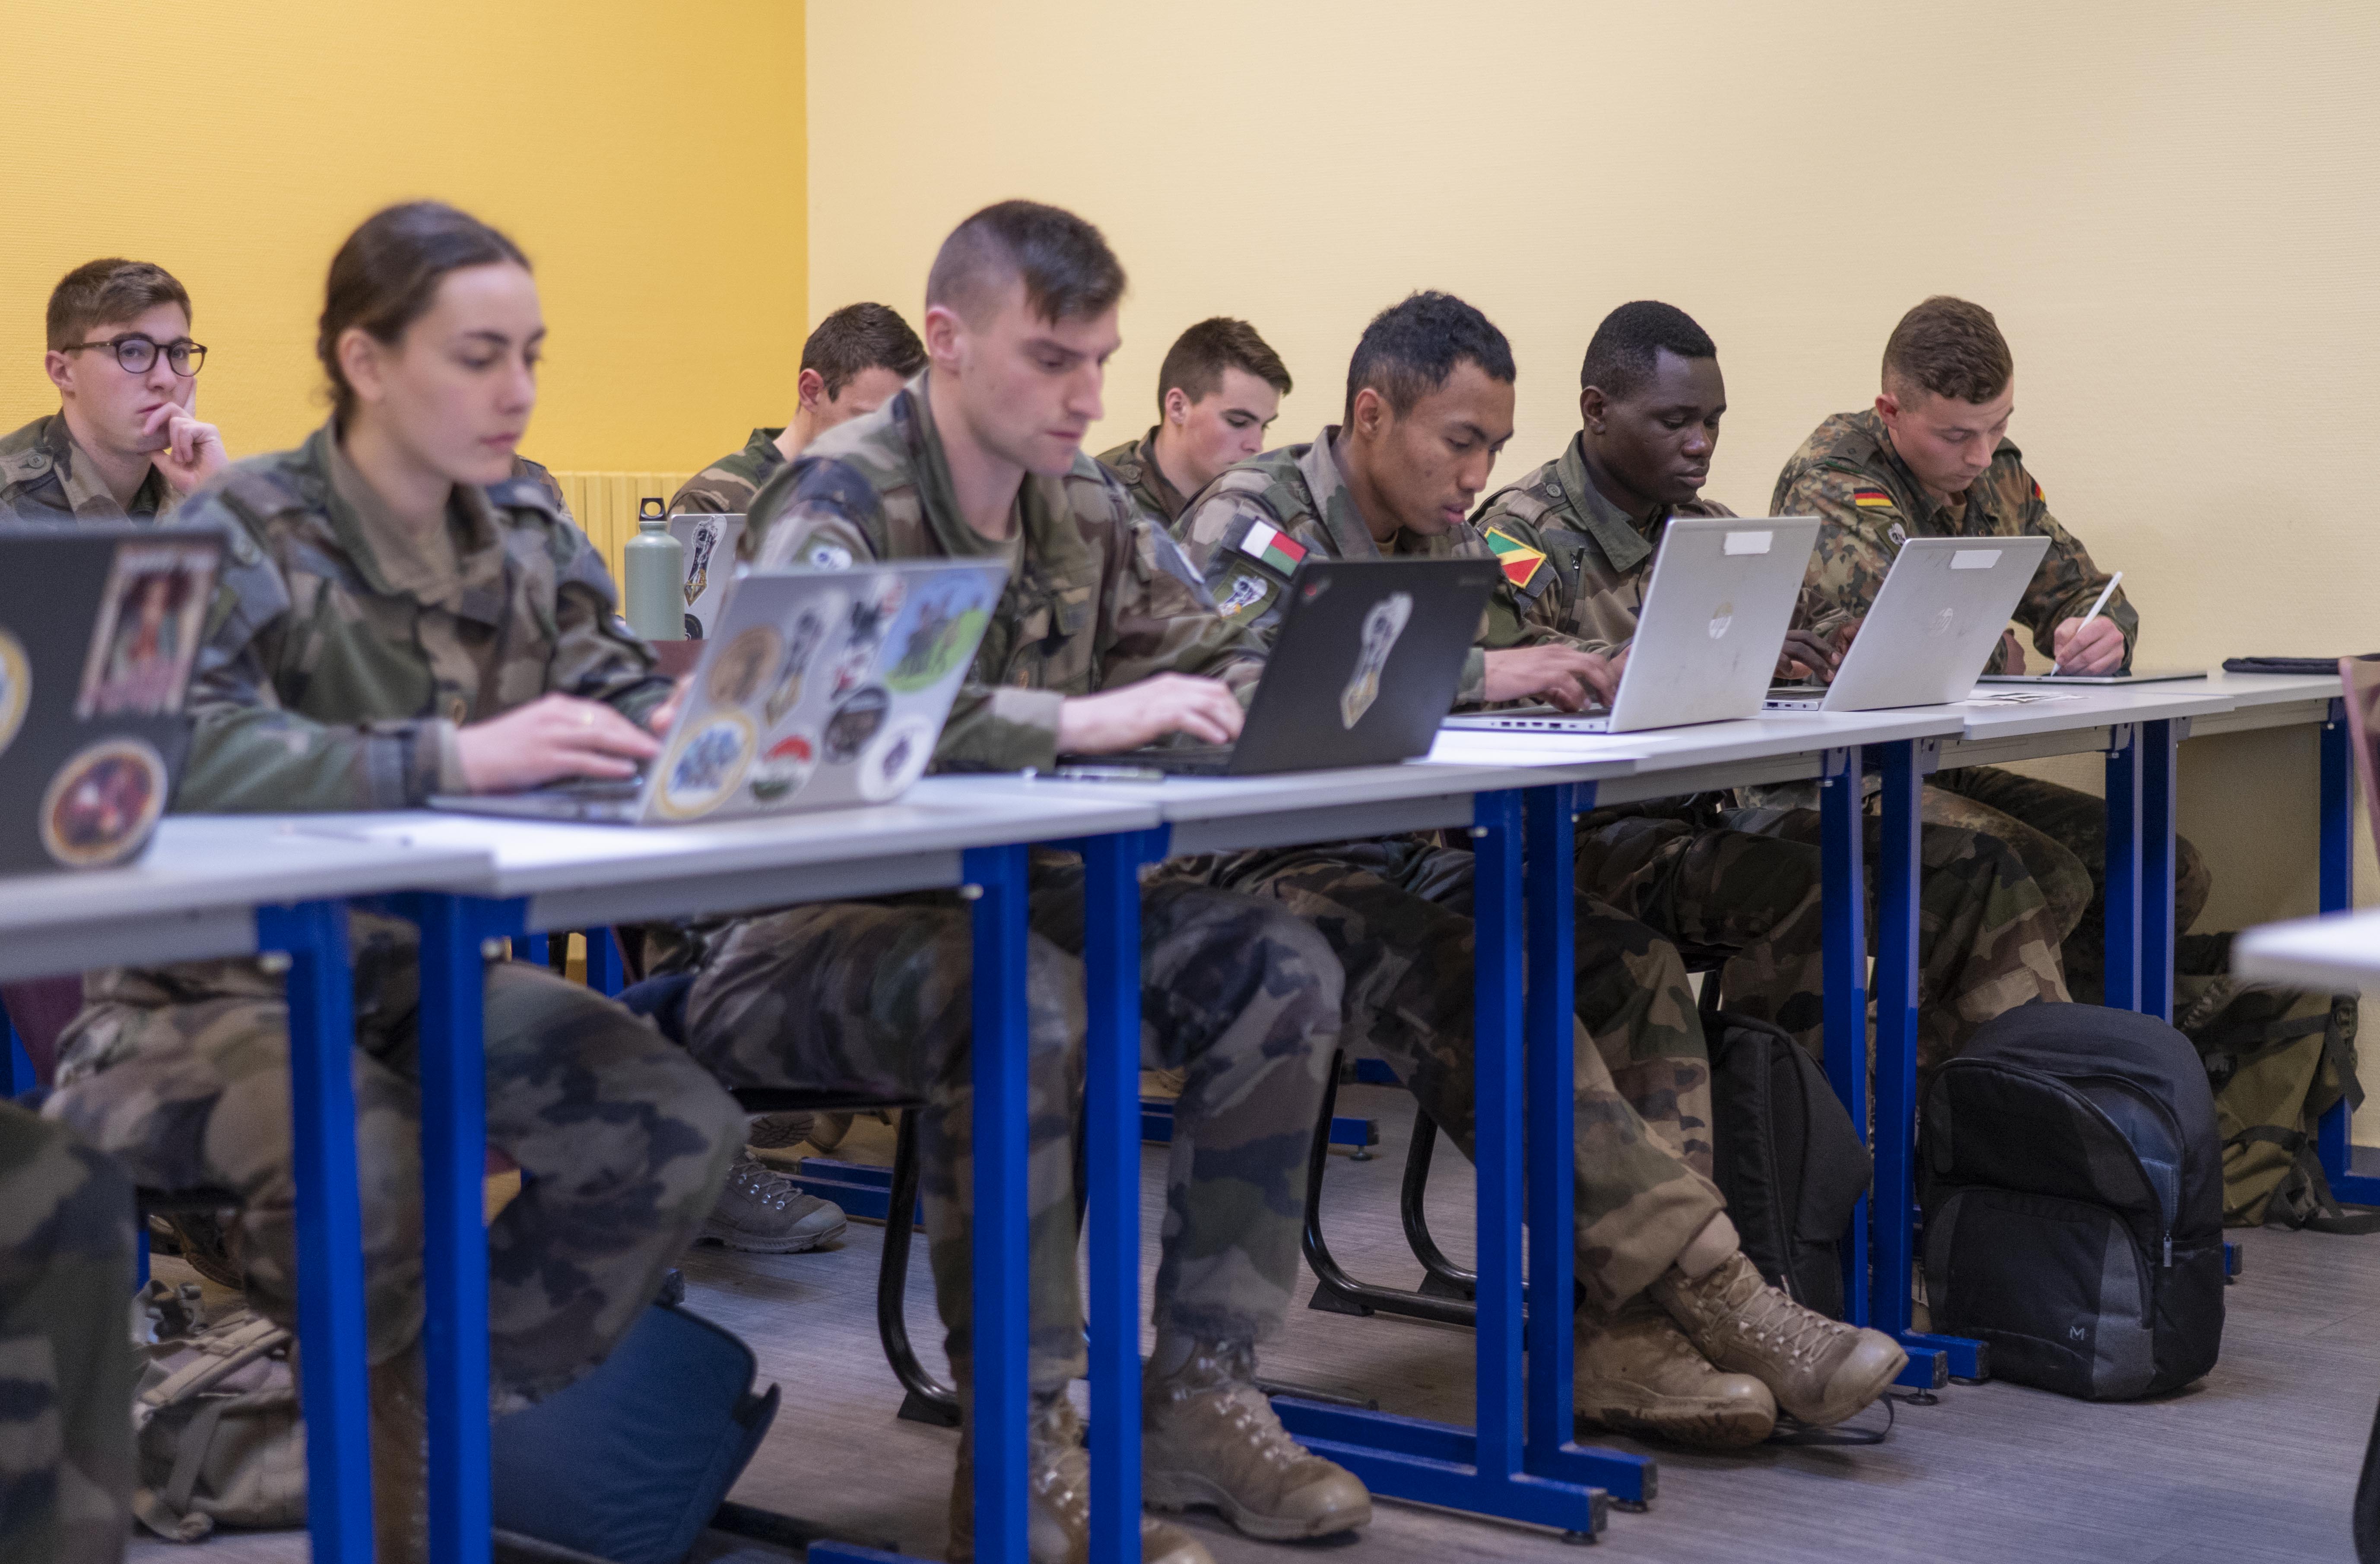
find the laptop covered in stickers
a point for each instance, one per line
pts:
(817, 689)
(100, 626)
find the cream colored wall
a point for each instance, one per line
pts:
(649, 158)
(2170, 206)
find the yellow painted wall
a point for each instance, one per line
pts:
(2173, 209)
(649, 158)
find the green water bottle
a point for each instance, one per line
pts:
(656, 571)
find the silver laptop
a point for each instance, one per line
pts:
(818, 689)
(710, 542)
(1932, 627)
(1716, 605)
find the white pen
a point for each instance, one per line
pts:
(2105, 593)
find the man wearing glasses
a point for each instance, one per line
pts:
(124, 443)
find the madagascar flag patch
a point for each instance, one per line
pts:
(1519, 561)
(1271, 547)
(1874, 499)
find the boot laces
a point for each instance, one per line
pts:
(1225, 1373)
(1769, 1316)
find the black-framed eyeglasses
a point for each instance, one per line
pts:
(136, 353)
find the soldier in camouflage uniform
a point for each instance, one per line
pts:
(854, 359)
(1931, 460)
(66, 1368)
(1650, 402)
(1217, 391)
(124, 444)
(360, 656)
(1431, 401)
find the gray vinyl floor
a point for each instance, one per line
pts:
(2257, 1464)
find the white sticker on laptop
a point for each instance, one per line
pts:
(1975, 559)
(1384, 622)
(1749, 542)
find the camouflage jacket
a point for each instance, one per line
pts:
(1100, 598)
(1847, 474)
(524, 467)
(727, 486)
(1134, 464)
(45, 477)
(1590, 583)
(1299, 492)
(336, 673)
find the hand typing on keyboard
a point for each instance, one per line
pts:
(552, 737)
(1140, 714)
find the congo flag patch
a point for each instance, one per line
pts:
(1521, 562)
(1271, 548)
(1873, 498)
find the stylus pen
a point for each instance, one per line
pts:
(2105, 593)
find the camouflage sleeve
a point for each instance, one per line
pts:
(1855, 547)
(1159, 618)
(595, 654)
(1248, 591)
(2068, 583)
(710, 492)
(247, 751)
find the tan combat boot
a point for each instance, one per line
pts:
(1821, 1370)
(1209, 1435)
(760, 1212)
(1639, 1374)
(1057, 1529)
(400, 1458)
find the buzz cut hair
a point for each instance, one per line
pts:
(1196, 363)
(1413, 346)
(1952, 349)
(1068, 270)
(1622, 355)
(861, 337)
(104, 293)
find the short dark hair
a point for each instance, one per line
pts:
(1952, 349)
(101, 293)
(1196, 363)
(859, 337)
(386, 276)
(1068, 270)
(1413, 346)
(1620, 356)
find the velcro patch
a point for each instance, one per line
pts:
(1521, 562)
(1271, 547)
(1247, 592)
(1873, 498)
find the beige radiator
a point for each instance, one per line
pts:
(605, 504)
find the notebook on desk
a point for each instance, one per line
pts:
(100, 626)
(817, 689)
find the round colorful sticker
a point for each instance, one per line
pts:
(782, 768)
(941, 625)
(16, 687)
(743, 664)
(706, 765)
(103, 803)
(896, 760)
(854, 723)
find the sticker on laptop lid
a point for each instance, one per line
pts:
(103, 803)
(737, 673)
(854, 723)
(896, 760)
(16, 687)
(783, 767)
(942, 623)
(809, 631)
(150, 617)
(1384, 623)
(1749, 542)
(704, 767)
(1975, 559)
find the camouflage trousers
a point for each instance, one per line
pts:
(874, 996)
(1986, 941)
(66, 1367)
(1397, 913)
(622, 1141)
(2061, 835)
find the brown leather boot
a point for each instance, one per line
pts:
(1209, 1436)
(400, 1459)
(1058, 1530)
(1821, 1370)
(1639, 1374)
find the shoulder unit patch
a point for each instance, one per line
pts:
(1873, 498)
(1271, 547)
(1521, 562)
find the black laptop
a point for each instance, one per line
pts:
(100, 626)
(1364, 667)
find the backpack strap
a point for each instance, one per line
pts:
(216, 1359)
(2304, 1202)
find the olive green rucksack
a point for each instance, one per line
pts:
(2278, 1058)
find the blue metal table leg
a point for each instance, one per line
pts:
(1843, 851)
(605, 972)
(2160, 747)
(2125, 804)
(2334, 1137)
(534, 950)
(1002, 1393)
(313, 934)
(17, 1069)
(1112, 1112)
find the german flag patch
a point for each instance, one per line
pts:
(1521, 562)
(1872, 498)
(2036, 493)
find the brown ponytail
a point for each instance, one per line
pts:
(386, 276)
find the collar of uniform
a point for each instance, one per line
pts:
(1333, 501)
(1619, 535)
(85, 496)
(762, 446)
(1050, 546)
(1153, 477)
(357, 514)
(1934, 518)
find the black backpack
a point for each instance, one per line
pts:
(2073, 1183)
(1786, 1156)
